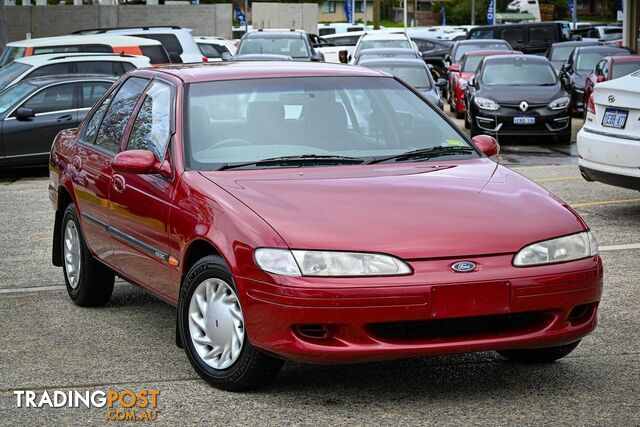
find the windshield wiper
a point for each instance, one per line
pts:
(302, 160)
(425, 153)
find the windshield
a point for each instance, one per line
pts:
(611, 35)
(561, 53)
(414, 76)
(293, 47)
(10, 54)
(587, 61)
(518, 73)
(12, 71)
(377, 44)
(470, 47)
(624, 68)
(470, 64)
(13, 94)
(360, 117)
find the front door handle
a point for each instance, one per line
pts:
(118, 184)
(65, 118)
(76, 163)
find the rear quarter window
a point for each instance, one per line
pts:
(156, 54)
(169, 41)
(51, 70)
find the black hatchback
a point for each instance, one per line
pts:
(33, 111)
(518, 95)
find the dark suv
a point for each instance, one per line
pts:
(533, 38)
(295, 44)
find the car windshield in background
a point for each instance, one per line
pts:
(561, 53)
(623, 68)
(10, 72)
(353, 117)
(378, 44)
(415, 76)
(209, 50)
(464, 48)
(293, 47)
(471, 63)
(10, 96)
(518, 73)
(10, 54)
(586, 61)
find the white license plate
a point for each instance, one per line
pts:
(615, 118)
(524, 120)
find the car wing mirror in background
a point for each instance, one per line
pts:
(25, 114)
(487, 144)
(441, 83)
(343, 56)
(318, 56)
(140, 162)
(472, 81)
(226, 56)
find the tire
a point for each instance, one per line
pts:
(93, 284)
(232, 363)
(539, 355)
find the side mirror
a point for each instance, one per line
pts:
(453, 68)
(318, 56)
(136, 161)
(226, 56)
(25, 114)
(487, 144)
(343, 56)
(472, 81)
(441, 83)
(599, 79)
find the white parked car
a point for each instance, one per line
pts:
(213, 47)
(381, 40)
(69, 63)
(609, 141)
(178, 42)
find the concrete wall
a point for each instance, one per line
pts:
(45, 21)
(285, 15)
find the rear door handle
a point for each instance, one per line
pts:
(118, 183)
(65, 118)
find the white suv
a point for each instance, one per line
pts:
(382, 39)
(69, 63)
(178, 42)
(609, 141)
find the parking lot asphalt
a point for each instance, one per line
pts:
(49, 343)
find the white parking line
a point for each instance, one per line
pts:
(34, 289)
(626, 247)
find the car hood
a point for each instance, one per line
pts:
(516, 94)
(410, 210)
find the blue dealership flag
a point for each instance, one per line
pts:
(570, 6)
(491, 13)
(348, 11)
(240, 16)
(443, 9)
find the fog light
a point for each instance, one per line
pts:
(314, 331)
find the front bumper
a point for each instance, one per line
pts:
(501, 122)
(434, 311)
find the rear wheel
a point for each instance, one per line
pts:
(211, 327)
(89, 283)
(539, 355)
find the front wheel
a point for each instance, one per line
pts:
(539, 355)
(212, 331)
(89, 283)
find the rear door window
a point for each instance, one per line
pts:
(482, 34)
(541, 35)
(91, 92)
(95, 67)
(512, 35)
(51, 70)
(117, 115)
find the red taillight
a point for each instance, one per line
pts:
(591, 106)
(205, 59)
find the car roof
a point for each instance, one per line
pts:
(384, 36)
(142, 30)
(492, 52)
(412, 62)
(61, 78)
(54, 58)
(110, 39)
(274, 34)
(218, 71)
(575, 43)
(387, 51)
(624, 58)
(599, 48)
(528, 58)
(479, 41)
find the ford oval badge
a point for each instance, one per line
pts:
(464, 266)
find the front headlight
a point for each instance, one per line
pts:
(568, 248)
(486, 103)
(327, 263)
(560, 103)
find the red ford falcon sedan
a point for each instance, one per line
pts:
(318, 213)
